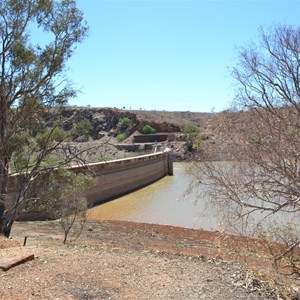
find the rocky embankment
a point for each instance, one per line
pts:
(106, 124)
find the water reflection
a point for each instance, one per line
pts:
(162, 202)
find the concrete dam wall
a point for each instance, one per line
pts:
(118, 177)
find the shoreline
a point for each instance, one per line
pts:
(155, 237)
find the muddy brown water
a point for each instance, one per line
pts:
(163, 202)
(166, 202)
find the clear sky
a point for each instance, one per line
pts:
(172, 55)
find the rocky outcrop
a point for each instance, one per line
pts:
(101, 119)
(107, 120)
(106, 125)
(160, 126)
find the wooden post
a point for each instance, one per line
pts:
(170, 162)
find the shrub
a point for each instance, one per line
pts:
(191, 135)
(60, 194)
(73, 204)
(83, 127)
(147, 129)
(125, 123)
(121, 137)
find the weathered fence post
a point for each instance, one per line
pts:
(170, 162)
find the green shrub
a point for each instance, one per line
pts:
(147, 129)
(191, 135)
(83, 127)
(125, 123)
(121, 137)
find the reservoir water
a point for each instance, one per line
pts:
(163, 202)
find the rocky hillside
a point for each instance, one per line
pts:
(107, 125)
(106, 119)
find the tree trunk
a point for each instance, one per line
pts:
(4, 168)
(2, 217)
(5, 221)
(7, 228)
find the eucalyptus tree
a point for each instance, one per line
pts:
(37, 37)
(261, 133)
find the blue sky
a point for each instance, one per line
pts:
(172, 55)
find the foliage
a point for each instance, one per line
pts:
(259, 134)
(147, 129)
(283, 243)
(191, 135)
(125, 123)
(60, 195)
(83, 127)
(121, 137)
(32, 83)
(73, 216)
(73, 205)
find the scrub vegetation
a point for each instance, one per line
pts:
(191, 136)
(261, 144)
(147, 129)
